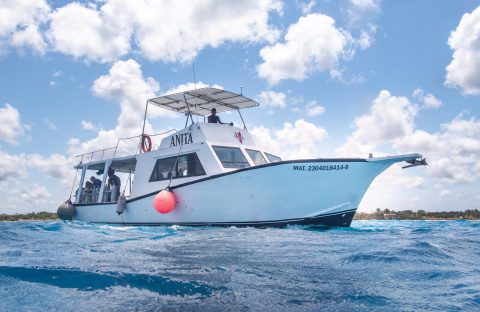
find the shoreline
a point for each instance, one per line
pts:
(387, 214)
(378, 214)
(428, 219)
(354, 219)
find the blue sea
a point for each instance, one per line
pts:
(372, 266)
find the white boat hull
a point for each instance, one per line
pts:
(319, 191)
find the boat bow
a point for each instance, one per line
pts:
(412, 160)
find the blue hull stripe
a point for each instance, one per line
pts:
(340, 219)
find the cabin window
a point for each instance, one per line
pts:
(256, 157)
(273, 158)
(231, 157)
(188, 165)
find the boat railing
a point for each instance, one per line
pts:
(113, 152)
(102, 194)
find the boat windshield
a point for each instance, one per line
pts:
(183, 166)
(273, 158)
(256, 157)
(231, 157)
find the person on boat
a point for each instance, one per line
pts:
(97, 183)
(88, 192)
(113, 179)
(213, 118)
(113, 184)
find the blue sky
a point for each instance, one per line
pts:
(335, 79)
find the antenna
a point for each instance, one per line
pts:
(194, 79)
(241, 90)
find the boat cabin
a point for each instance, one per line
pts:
(198, 151)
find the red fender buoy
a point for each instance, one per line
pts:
(164, 201)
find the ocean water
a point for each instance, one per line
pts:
(372, 266)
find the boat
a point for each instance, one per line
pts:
(212, 174)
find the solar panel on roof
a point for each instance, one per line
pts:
(201, 101)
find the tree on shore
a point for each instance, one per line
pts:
(379, 214)
(29, 216)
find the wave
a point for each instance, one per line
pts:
(371, 266)
(377, 257)
(92, 281)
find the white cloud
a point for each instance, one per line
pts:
(49, 124)
(55, 166)
(12, 127)
(298, 140)
(188, 27)
(431, 101)
(20, 22)
(398, 189)
(87, 125)
(445, 193)
(16, 166)
(31, 37)
(104, 31)
(167, 31)
(390, 118)
(366, 38)
(272, 98)
(279, 99)
(74, 141)
(190, 86)
(11, 166)
(427, 100)
(453, 152)
(36, 193)
(305, 7)
(125, 85)
(85, 32)
(57, 73)
(310, 45)
(465, 42)
(365, 4)
(20, 194)
(453, 155)
(396, 178)
(313, 109)
(358, 17)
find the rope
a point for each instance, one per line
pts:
(73, 185)
(139, 146)
(176, 161)
(129, 177)
(194, 78)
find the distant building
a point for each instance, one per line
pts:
(389, 216)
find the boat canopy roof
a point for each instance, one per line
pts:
(201, 101)
(123, 164)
